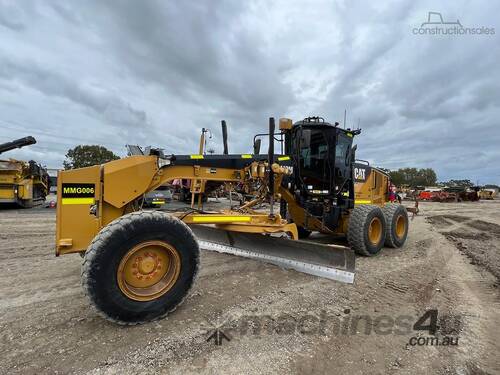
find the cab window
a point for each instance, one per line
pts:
(342, 149)
(313, 156)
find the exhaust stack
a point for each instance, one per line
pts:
(256, 147)
(224, 136)
(271, 161)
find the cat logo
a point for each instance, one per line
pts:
(361, 173)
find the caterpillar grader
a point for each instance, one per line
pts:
(139, 265)
(22, 183)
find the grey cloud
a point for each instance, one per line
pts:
(12, 17)
(196, 50)
(166, 69)
(111, 108)
(424, 101)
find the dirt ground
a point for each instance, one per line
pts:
(277, 321)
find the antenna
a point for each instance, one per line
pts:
(345, 115)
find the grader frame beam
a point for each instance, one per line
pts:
(93, 197)
(116, 185)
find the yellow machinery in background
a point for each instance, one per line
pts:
(22, 183)
(488, 194)
(139, 265)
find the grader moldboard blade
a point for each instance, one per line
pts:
(331, 262)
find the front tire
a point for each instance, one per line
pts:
(140, 267)
(366, 231)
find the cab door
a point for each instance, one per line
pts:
(343, 165)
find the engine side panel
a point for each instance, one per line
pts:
(371, 185)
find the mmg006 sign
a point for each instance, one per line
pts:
(76, 193)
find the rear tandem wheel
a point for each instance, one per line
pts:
(366, 231)
(396, 218)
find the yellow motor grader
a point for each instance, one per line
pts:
(22, 183)
(139, 265)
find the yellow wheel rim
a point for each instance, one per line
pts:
(148, 270)
(375, 231)
(400, 226)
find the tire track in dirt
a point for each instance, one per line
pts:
(475, 278)
(475, 238)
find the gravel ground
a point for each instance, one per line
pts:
(278, 321)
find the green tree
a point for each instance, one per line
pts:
(88, 155)
(413, 177)
(397, 177)
(426, 177)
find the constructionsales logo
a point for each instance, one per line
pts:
(437, 25)
(76, 193)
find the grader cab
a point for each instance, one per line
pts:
(139, 265)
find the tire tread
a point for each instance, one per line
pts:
(89, 284)
(355, 231)
(389, 211)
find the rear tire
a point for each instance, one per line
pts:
(366, 231)
(396, 219)
(148, 245)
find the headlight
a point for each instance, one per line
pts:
(163, 162)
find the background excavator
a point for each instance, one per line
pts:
(22, 183)
(139, 265)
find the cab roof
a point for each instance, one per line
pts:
(320, 122)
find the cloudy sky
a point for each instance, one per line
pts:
(156, 72)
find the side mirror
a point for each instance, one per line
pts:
(353, 153)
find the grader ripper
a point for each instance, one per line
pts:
(139, 265)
